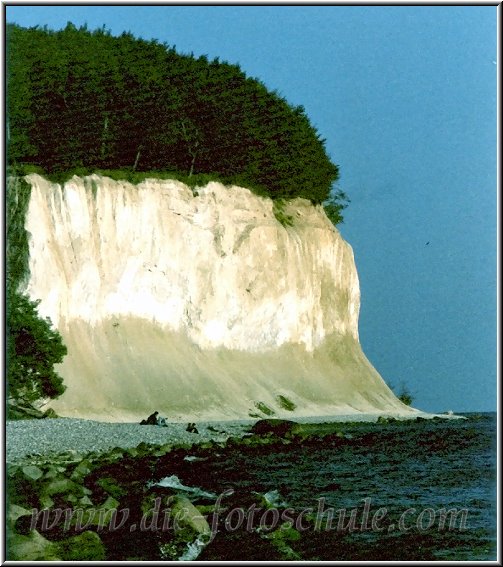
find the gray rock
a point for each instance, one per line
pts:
(62, 486)
(81, 470)
(31, 472)
(279, 427)
(50, 413)
(185, 515)
(14, 512)
(31, 547)
(85, 502)
(110, 486)
(110, 504)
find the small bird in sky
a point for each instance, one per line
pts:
(427, 243)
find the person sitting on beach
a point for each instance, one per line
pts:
(151, 419)
(191, 428)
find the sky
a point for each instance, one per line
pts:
(405, 97)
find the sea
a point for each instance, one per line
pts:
(400, 491)
(405, 491)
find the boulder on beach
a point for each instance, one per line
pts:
(279, 427)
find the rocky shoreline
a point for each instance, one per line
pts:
(64, 505)
(51, 436)
(70, 482)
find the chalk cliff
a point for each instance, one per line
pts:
(200, 305)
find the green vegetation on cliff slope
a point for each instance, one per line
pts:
(33, 345)
(77, 98)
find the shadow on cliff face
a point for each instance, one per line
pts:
(166, 371)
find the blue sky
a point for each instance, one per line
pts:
(406, 98)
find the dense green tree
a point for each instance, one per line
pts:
(77, 98)
(33, 347)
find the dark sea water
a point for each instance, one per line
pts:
(414, 473)
(421, 490)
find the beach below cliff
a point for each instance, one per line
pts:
(45, 437)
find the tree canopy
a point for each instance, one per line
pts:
(80, 98)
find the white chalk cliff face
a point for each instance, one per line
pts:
(199, 305)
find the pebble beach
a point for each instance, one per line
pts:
(36, 437)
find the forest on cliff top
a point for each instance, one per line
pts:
(86, 99)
